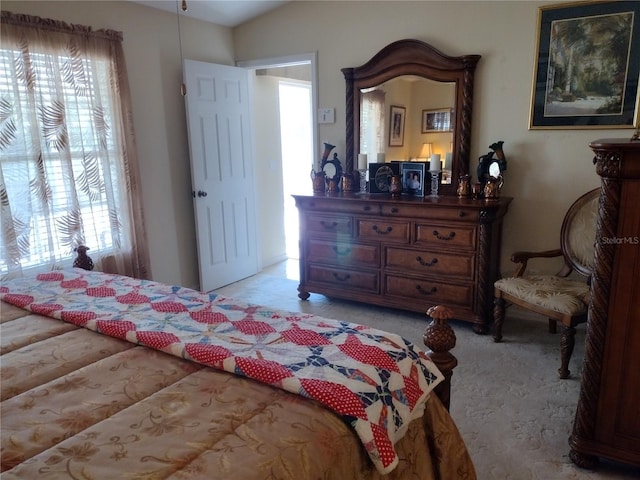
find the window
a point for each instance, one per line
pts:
(65, 171)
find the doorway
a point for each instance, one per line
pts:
(283, 89)
(297, 154)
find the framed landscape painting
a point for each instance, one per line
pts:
(587, 66)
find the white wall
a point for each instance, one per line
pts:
(547, 169)
(153, 62)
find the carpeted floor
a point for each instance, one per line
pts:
(512, 410)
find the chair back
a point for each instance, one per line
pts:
(578, 233)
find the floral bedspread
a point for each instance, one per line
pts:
(376, 381)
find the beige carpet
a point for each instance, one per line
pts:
(512, 410)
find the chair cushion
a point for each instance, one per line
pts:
(548, 291)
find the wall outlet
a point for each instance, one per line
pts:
(327, 115)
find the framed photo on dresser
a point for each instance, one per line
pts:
(413, 178)
(380, 176)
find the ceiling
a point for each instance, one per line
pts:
(229, 13)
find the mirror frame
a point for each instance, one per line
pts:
(414, 57)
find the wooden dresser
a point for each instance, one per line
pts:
(607, 422)
(407, 252)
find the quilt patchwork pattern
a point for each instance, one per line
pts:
(376, 381)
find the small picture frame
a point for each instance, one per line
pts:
(396, 126)
(438, 120)
(412, 174)
(380, 176)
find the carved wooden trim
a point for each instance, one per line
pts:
(464, 126)
(584, 425)
(414, 57)
(485, 289)
(607, 163)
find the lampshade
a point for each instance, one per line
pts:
(426, 151)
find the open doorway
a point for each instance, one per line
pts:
(297, 154)
(284, 93)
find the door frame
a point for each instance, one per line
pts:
(290, 60)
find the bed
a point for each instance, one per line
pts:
(105, 376)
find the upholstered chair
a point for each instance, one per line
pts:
(563, 297)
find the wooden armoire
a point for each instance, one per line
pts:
(607, 421)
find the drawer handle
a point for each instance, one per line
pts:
(462, 213)
(394, 210)
(341, 278)
(367, 208)
(382, 232)
(329, 225)
(442, 237)
(422, 291)
(346, 251)
(426, 264)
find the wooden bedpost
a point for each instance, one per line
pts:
(439, 338)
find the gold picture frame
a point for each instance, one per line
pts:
(587, 66)
(436, 120)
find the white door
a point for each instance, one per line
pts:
(222, 172)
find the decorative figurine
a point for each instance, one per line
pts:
(491, 188)
(489, 167)
(464, 186)
(346, 184)
(317, 178)
(83, 260)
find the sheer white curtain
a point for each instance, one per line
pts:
(372, 123)
(68, 171)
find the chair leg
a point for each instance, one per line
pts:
(552, 326)
(567, 342)
(498, 318)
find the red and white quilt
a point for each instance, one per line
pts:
(376, 381)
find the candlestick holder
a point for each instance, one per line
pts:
(363, 180)
(435, 182)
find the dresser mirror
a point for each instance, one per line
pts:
(431, 87)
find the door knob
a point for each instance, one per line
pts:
(201, 193)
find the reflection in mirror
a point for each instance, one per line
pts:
(421, 141)
(415, 76)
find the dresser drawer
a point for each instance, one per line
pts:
(343, 253)
(432, 213)
(431, 291)
(320, 204)
(343, 279)
(429, 262)
(452, 235)
(329, 225)
(382, 230)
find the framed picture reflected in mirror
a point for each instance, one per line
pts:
(438, 120)
(396, 126)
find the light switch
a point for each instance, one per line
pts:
(327, 115)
